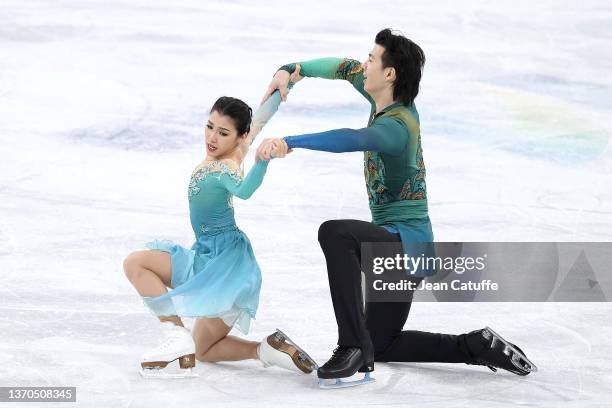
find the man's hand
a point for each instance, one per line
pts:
(296, 77)
(280, 81)
(272, 148)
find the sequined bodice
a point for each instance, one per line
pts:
(211, 207)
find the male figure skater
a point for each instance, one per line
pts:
(395, 182)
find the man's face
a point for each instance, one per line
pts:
(373, 71)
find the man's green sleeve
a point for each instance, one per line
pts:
(332, 68)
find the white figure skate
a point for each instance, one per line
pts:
(279, 350)
(177, 344)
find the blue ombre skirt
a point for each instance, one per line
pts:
(218, 277)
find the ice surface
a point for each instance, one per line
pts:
(101, 112)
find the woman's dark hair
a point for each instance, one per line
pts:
(408, 60)
(239, 111)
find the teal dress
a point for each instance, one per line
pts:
(219, 275)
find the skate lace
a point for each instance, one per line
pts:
(340, 353)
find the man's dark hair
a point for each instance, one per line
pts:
(236, 109)
(408, 60)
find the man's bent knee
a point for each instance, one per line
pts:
(382, 342)
(331, 229)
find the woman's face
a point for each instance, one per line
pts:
(221, 136)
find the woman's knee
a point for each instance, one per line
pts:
(200, 355)
(200, 346)
(201, 349)
(132, 265)
(206, 333)
(204, 356)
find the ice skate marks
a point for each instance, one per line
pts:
(518, 358)
(302, 360)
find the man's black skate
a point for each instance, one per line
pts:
(345, 362)
(497, 352)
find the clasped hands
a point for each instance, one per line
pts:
(271, 149)
(277, 147)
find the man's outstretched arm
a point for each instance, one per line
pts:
(327, 68)
(387, 136)
(332, 68)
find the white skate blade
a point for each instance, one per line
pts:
(519, 359)
(331, 383)
(309, 359)
(162, 373)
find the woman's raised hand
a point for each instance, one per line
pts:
(280, 81)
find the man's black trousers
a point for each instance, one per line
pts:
(378, 331)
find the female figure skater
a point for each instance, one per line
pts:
(218, 279)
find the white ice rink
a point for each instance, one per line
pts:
(102, 106)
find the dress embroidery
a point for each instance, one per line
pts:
(217, 229)
(215, 167)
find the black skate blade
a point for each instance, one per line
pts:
(518, 358)
(331, 383)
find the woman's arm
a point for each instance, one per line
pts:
(245, 188)
(261, 117)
